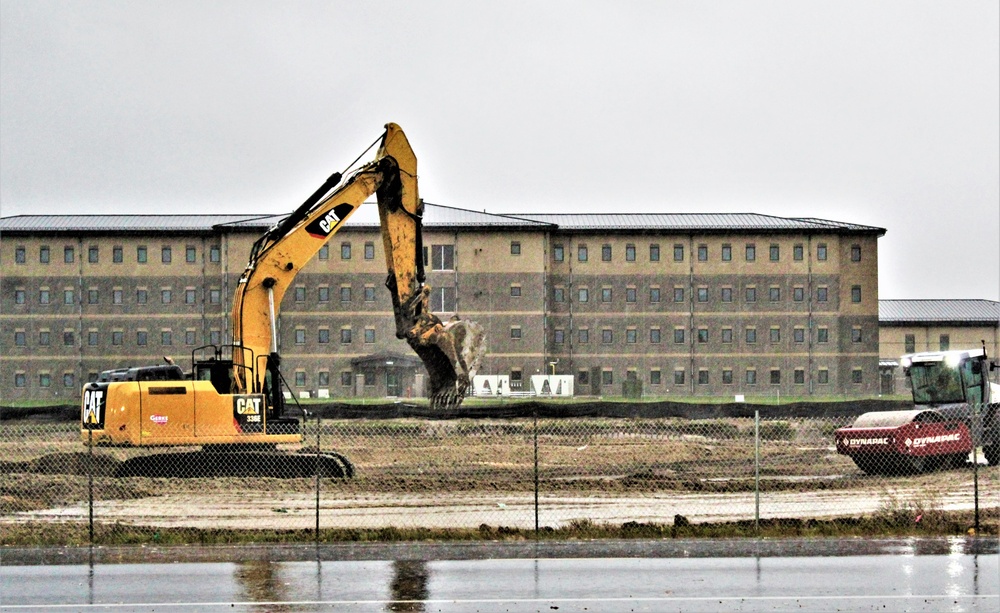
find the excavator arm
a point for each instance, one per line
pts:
(450, 351)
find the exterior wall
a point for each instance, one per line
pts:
(528, 302)
(927, 337)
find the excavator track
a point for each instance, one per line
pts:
(238, 463)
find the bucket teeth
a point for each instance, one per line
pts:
(452, 355)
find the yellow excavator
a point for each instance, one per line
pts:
(232, 401)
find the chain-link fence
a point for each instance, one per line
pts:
(527, 473)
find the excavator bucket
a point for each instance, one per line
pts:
(452, 353)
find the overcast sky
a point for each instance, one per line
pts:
(878, 113)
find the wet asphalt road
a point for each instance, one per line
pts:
(789, 575)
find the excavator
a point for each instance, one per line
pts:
(232, 401)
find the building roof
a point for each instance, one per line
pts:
(899, 312)
(695, 221)
(438, 216)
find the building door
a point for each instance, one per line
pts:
(391, 382)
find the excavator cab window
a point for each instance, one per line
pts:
(219, 372)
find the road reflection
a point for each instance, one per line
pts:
(259, 582)
(409, 585)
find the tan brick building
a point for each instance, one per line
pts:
(909, 326)
(708, 305)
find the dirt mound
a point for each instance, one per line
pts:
(81, 463)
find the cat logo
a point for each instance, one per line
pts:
(248, 412)
(325, 225)
(248, 405)
(93, 409)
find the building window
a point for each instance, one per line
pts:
(727, 253)
(20, 296)
(751, 294)
(323, 378)
(166, 337)
(444, 300)
(583, 295)
(799, 335)
(821, 252)
(166, 295)
(300, 378)
(322, 293)
(323, 336)
(702, 253)
(345, 335)
(630, 294)
(607, 336)
(774, 293)
(43, 338)
(654, 294)
(515, 333)
(727, 376)
(798, 252)
(822, 335)
(20, 339)
(215, 337)
(190, 254)
(678, 253)
(189, 337)
(345, 251)
(821, 294)
(654, 253)
(581, 253)
(678, 335)
(369, 335)
(630, 336)
(20, 255)
(558, 253)
(605, 294)
(855, 294)
(607, 377)
(751, 252)
(629, 252)
(515, 291)
(44, 379)
(856, 376)
(654, 376)
(93, 296)
(117, 337)
(141, 338)
(141, 254)
(92, 338)
(702, 377)
(751, 335)
(774, 252)
(93, 254)
(909, 343)
(679, 376)
(855, 253)
(43, 255)
(775, 376)
(215, 296)
(855, 334)
(559, 336)
(20, 380)
(300, 336)
(605, 253)
(798, 294)
(215, 254)
(166, 255)
(43, 296)
(442, 257)
(702, 294)
(583, 336)
(945, 342)
(190, 296)
(369, 250)
(727, 335)
(823, 376)
(68, 297)
(775, 335)
(678, 294)
(345, 293)
(68, 255)
(727, 294)
(799, 376)
(345, 378)
(702, 335)
(558, 294)
(324, 252)
(369, 293)
(751, 377)
(515, 247)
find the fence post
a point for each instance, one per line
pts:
(756, 470)
(90, 482)
(317, 475)
(535, 437)
(977, 437)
